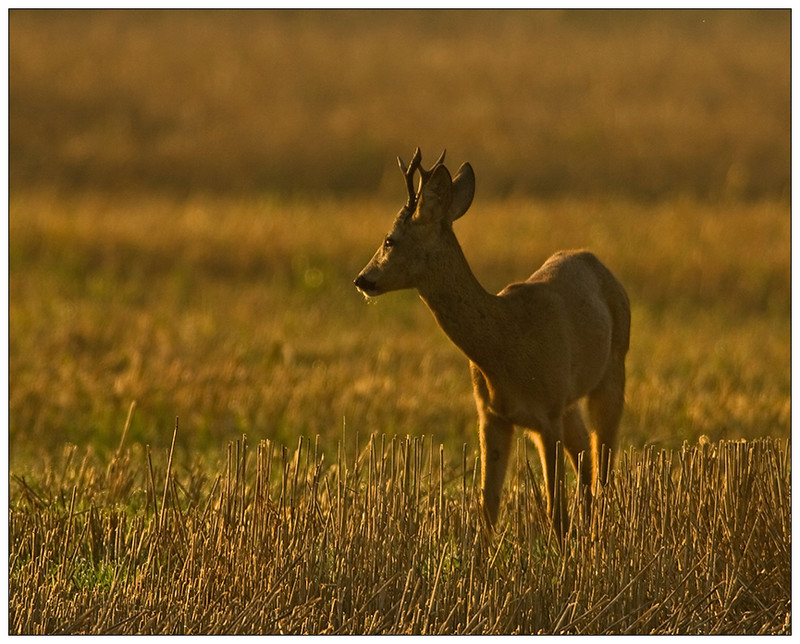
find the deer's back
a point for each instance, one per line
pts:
(573, 305)
(585, 286)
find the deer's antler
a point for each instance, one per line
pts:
(408, 173)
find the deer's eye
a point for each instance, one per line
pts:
(388, 243)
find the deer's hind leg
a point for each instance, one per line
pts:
(549, 438)
(577, 442)
(604, 404)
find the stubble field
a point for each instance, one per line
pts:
(184, 227)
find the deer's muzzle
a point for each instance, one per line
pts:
(366, 286)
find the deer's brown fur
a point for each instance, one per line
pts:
(536, 349)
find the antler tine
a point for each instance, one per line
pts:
(408, 172)
(425, 174)
(415, 160)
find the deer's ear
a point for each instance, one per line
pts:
(436, 197)
(463, 191)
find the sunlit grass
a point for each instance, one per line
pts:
(387, 540)
(192, 194)
(649, 103)
(239, 315)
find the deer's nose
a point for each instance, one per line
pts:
(364, 285)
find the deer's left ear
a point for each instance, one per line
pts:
(463, 191)
(436, 197)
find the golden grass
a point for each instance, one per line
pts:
(647, 103)
(239, 315)
(691, 541)
(151, 262)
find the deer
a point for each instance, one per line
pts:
(543, 353)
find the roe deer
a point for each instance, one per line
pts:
(535, 349)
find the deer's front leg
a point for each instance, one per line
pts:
(495, 435)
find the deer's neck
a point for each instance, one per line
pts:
(463, 308)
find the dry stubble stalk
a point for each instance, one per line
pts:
(692, 541)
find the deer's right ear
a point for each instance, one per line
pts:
(463, 191)
(436, 196)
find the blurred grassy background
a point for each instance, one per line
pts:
(641, 103)
(193, 192)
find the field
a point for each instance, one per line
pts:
(191, 195)
(695, 541)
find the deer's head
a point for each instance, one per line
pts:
(420, 227)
